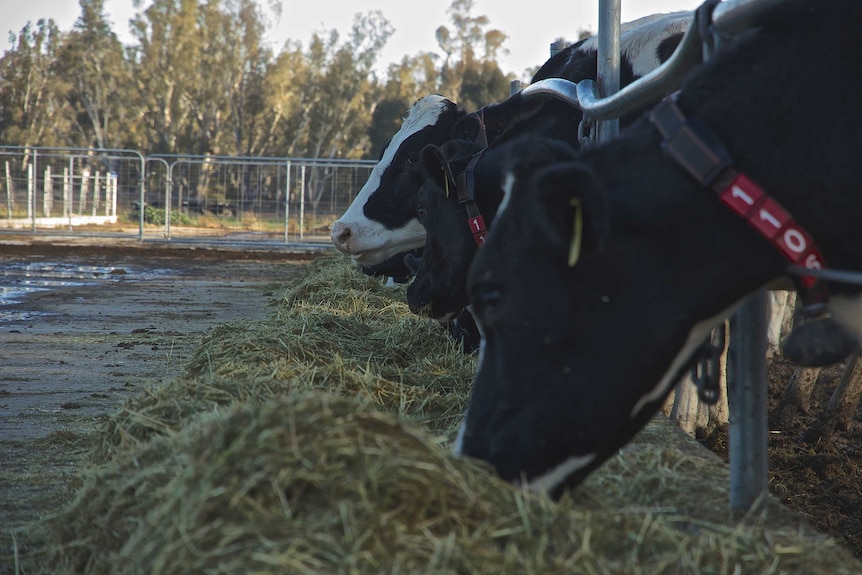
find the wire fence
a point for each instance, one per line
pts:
(80, 192)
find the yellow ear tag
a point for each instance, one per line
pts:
(445, 180)
(577, 232)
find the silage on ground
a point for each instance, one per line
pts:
(318, 483)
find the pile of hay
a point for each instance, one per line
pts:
(314, 442)
(315, 483)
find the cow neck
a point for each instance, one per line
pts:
(465, 186)
(698, 150)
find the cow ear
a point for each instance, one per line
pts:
(574, 205)
(467, 127)
(437, 168)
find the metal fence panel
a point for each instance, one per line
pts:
(209, 199)
(66, 188)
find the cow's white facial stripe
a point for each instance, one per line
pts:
(508, 184)
(556, 475)
(695, 339)
(640, 39)
(367, 235)
(457, 448)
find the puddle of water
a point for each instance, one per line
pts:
(19, 279)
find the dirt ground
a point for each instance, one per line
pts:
(821, 480)
(86, 347)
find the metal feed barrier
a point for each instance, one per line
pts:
(224, 200)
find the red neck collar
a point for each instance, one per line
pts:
(695, 147)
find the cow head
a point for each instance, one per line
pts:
(381, 222)
(585, 327)
(440, 286)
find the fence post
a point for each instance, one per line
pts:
(97, 181)
(47, 192)
(287, 202)
(31, 184)
(31, 193)
(747, 398)
(66, 192)
(302, 201)
(113, 204)
(85, 190)
(608, 62)
(10, 191)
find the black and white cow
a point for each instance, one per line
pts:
(381, 222)
(440, 286)
(644, 244)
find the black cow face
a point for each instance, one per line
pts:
(439, 289)
(573, 363)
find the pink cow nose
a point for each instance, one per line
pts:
(340, 236)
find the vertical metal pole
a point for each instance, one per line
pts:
(747, 398)
(515, 86)
(32, 201)
(47, 193)
(287, 202)
(609, 62)
(31, 193)
(97, 181)
(301, 201)
(142, 193)
(169, 200)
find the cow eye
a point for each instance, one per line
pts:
(412, 158)
(487, 299)
(420, 212)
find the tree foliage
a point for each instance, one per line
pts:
(200, 78)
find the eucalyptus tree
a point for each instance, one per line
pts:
(166, 59)
(97, 79)
(30, 105)
(470, 52)
(226, 99)
(320, 99)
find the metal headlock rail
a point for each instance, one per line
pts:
(603, 103)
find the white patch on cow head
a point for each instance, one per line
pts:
(508, 184)
(556, 475)
(370, 242)
(458, 446)
(640, 39)
(847, 311)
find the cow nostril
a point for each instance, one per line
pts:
(340, 235)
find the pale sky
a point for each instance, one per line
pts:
(531, 26)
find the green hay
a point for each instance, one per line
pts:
(314, 483)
